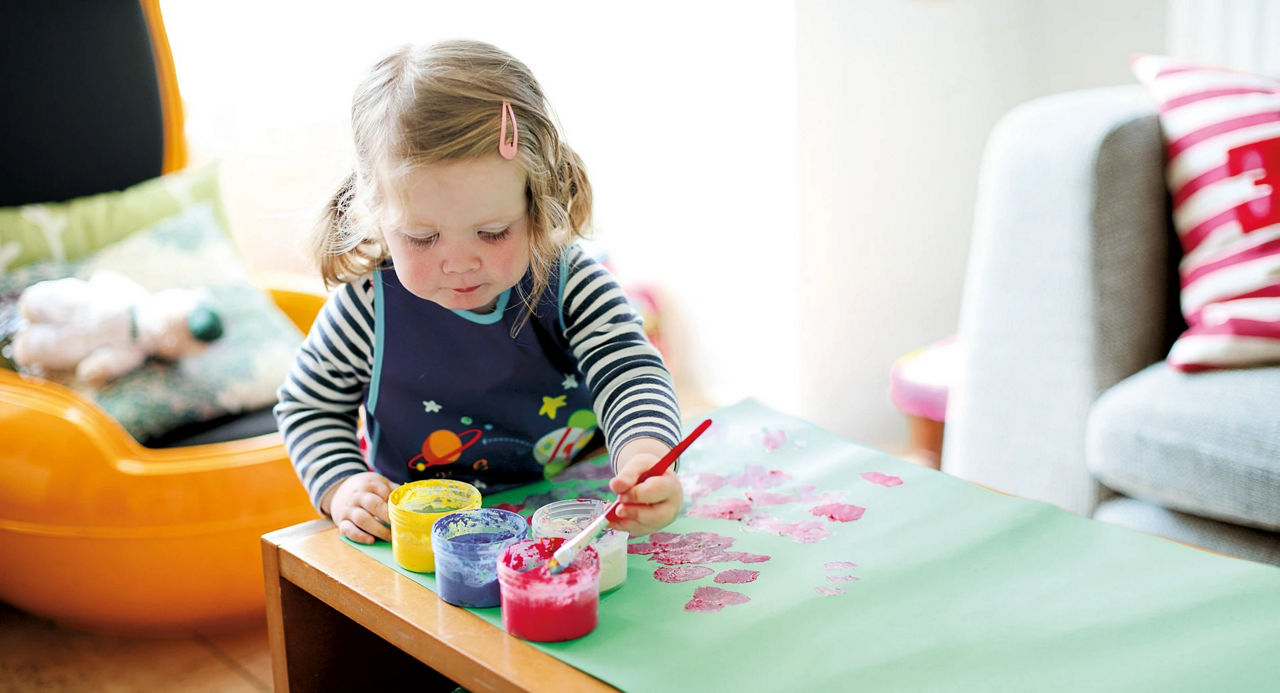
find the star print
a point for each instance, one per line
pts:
(431, 406)
(549, 406)
(570, 382)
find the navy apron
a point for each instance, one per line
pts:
(454, 395)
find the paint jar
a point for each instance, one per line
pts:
(567, 518)
(544, 607)
(414, 507)
(466, 545)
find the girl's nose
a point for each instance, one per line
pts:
(455, 267)
(458, 260)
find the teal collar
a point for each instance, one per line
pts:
(492, 316)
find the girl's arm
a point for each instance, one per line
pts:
(320, 401)
(635, 400)
(632, 388)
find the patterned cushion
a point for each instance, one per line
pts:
(1222, 136)
(238, 372)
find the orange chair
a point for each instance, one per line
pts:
(97, 531)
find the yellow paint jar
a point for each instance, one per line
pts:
(414, 508)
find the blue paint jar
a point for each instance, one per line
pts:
(466, 545)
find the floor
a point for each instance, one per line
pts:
(38, 655)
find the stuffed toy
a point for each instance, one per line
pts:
(107, 326)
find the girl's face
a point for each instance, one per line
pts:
(462, 237)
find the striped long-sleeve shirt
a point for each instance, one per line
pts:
(631, 392)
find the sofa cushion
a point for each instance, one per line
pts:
(1232, 540)
(1222, 134)
(1203, 443)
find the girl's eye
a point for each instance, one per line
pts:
(495, 236)
(421, 241)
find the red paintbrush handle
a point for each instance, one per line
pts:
(663, 464)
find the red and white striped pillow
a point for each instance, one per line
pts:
(1222, 138)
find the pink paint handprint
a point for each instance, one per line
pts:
(670, 548)
(736, 576)
(681, 573)
(678, 554)
(838, 512)
(711, 599)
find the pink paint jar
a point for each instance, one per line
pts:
(544, 607)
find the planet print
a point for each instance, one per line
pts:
(444, 447)
(555, 449)
(563, 443)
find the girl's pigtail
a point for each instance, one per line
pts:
(575, 190)
(332, 238)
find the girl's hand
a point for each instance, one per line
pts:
(358, 506)
(649, 506)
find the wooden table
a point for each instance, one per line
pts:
(339, 620)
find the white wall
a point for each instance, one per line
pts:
(799, 175)
(896, 100)
(1241, 34)
(683, 112)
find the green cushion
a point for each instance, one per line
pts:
(72, 229)
(239, 372)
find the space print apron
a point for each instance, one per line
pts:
(454, 395)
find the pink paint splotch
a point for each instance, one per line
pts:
(681, 573)
(699, 485)
(774, 439)
(838, 512)
(509, 506)
(831, 566)
(737, 509)
(670, 548)
(805, 532)
(759, 478)
(881, 479)
(711, 599)
(810, 494)
(736, 576)
(769, 498)
(723, 509)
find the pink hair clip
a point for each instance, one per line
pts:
(508, 149)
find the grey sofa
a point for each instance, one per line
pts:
(1069, 307)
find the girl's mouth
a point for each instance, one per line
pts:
(467, 290)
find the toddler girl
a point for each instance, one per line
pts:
(481, 341)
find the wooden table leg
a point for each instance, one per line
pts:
(275, 615)
(316, 648)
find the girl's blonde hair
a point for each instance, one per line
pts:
(424, 105)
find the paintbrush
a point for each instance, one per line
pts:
(569, 550)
